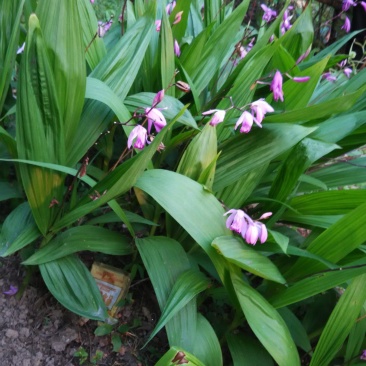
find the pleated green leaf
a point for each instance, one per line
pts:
(118, 70)
(244, 152)
(9, 142)
(165, 261)
(266, 323)
(356, 337)
(86, 237)
(187, 286)
(335, 243)
(239, 253)
(313, 285)
(40, 130)
(70, 282)
(10, 15)
(18, 230)
(173, 107)
(246, 350)
(61, 25)
(340, 323)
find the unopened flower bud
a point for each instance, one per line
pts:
(158, 97)
(181, 85)
(178, 17)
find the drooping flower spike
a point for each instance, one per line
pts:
(260, 107)
(268, 13)
(347, 25)
(246, 122)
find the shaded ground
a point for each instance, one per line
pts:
(35, 330)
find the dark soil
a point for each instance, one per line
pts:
(35, 330)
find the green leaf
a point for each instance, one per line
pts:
(18, 230)
(39, 128)
(61, 25)
(356, 337)
(200, 214)
(187, 286)
(313, 285)
(116, 342)
(246, 350)
(72, 285)
(206, 345)
(10, 15)
(340, 322)
(165, 261)
(266, 324)
(235, 251)
(86, 237)
(173, 107)
(244, 153)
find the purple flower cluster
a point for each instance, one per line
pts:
(138, 136)
(250, 230)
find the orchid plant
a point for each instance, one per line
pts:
(120, 137)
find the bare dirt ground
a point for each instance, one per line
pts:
(35, 330)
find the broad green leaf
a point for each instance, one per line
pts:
(118, 70)
(313, 285)
(200, 153)
(170, 107)
(8, 141)
(246, 350)
(103, 329)
(266, 324)
(235, 251)
(165, 261)
(176, 354)
(340, 322)
(98, 90)
(244, 153)
(206, 344)
(200, 214)
(10, 15)
(187, 286)
(40, 131)
(335, 243)
(86, 237)
(18, 230)
(70, 282)
(109, 217)
(179, 29)
(296, 329)
(61, 25)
